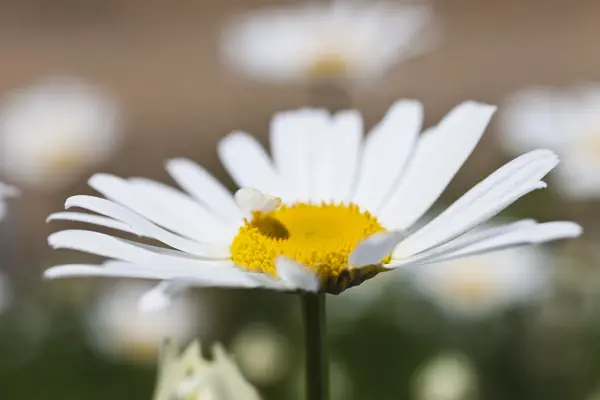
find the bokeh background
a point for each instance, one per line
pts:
(81, 339)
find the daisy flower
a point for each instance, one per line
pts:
(333, 40)
(117, 328)
(52, 132)
(479, 285)
(188, 376)
(566, 121)
(328, 211)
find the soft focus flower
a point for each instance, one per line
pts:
(52, 132)
(262, 354)
(6, 192)
(448, 376)
(479, 285)
(567, 122)
(188, 376)
(333, 40)
(117, 328)
(342, 214)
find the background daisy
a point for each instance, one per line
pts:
(567, 121)
(54, 131)
(340, 40)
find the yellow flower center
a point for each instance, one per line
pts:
(318, 236)
(328, 65)
(64, 161)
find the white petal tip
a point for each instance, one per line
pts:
(296, 275)
(250, 200)
(569, 229)
(375, 248)
(154, 301)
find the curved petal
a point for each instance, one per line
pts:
(484, 200)
(439, 155)
(374, 248)
(248, 163)
(204, 187)
(296, 275)
(386, 152)
(294, 138)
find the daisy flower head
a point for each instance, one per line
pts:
(566, 121)
(328, 210)
(480, 285)
(188, 376)
(53, 131)
(335, 40)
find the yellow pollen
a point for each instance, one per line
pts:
(318, 236)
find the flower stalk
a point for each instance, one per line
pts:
(317, 371)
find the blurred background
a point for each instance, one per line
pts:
(527, 327)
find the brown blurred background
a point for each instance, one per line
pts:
(161, 61)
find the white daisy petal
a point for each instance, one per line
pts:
(155, 210)
(373, 249)
(112, 247)
(461, 242)
(91, 270)
(249, 200)
(203, 277)
(336, 158)
(91, 219)
(539, 233)
(387, 149)
(160, 297)
(202, 186)
(438, 156)
(146, 228)
(491, 239)
(247, 163)
(182, 206)
(293, 141)
(483, 201)
(296, 276)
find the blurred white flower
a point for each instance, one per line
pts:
(316, 40)
(54, 131)
(447, 376)
(567, 122)
(188, 376)
(262, 354)
(117, 328)
(479, 285)
(6, 192)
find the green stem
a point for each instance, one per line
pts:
(317, 366)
